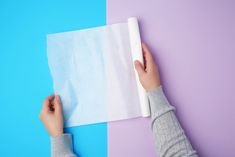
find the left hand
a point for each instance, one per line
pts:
(51, 115)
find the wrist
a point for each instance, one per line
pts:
(56, 133)
(152, 87)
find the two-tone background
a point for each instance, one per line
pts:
(193, 42)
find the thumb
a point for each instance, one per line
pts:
(139, 68)
(57, 104)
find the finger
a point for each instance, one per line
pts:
(47, 102)
(147, 56)
(57, 104)
(139, 68)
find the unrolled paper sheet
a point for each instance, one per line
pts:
(93, 73)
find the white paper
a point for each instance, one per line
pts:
(93, 73)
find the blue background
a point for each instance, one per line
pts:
(25, 79)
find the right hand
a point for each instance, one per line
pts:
(148, 73)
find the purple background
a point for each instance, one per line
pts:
(193, 42)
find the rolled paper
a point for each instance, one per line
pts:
(136, 51)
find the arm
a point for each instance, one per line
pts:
(169, 137)
(52, 117)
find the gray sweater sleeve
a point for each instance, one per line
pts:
(170, 140)
(61, 146)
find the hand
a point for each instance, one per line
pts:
(148, 73)
(51, 115)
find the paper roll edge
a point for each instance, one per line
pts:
(136, 51)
